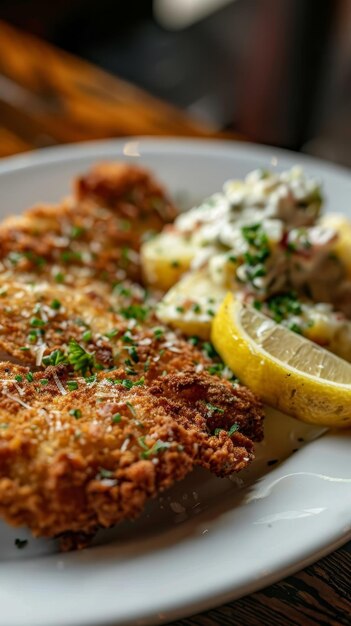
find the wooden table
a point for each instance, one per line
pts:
(48, 97)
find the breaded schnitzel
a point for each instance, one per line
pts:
(92, 457)
(94, 235)
(101, 406)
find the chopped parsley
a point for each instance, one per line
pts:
(59, 277)
(90, 379)
(112, 333)
(209, 350)
(44, 381)
(77, 231)
(159, 446)
(32, 336)
(104, 473)
(131, 408)
(281, 306)
(127, 383)
(135, 311)
(76, 413)
(194, 341)
(233, 429)
(30, 377)
(213, 409)
(55, 358)
(127, 338)
(19, 378)
(158, 333)
(36, 322)
(72, 385)
(296, 328)
(257, 253)
(81, 360)
(116, 418)
(134, 354)
(69, 255)
(55, 304)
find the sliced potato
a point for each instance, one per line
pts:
(191, 304)
(343, 246)
(165, 258)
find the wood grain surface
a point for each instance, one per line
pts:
(48, 97)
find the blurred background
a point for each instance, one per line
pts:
(272, 71)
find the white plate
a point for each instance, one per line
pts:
(231, 537)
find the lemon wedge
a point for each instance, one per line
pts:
(286, 370)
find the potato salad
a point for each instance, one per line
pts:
(264, 239)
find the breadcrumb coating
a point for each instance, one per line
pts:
(101, 406)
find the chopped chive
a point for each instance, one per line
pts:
(72, 385)
(213, 409)
(87, 335)
(59, 277)
(112, 333)
(55, 304)
(131, 408)
(76, 232)
(104, 473)
(233, 429)
(36, 322)
(55, 358)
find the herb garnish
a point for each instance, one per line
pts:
(135, 311)
(159, 446)
(56, 357)
(80, 359)
(72, 385)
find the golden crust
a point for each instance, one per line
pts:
(95, 235)
(87, 459)
(84, 446)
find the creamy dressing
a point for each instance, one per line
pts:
(260, 237)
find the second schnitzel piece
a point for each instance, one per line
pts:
(95, 234)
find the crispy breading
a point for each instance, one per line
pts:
(87, 459)
(101, 406)
(83, 239)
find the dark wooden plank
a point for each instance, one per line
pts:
(49, 97)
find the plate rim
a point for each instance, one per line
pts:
(84, 149)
